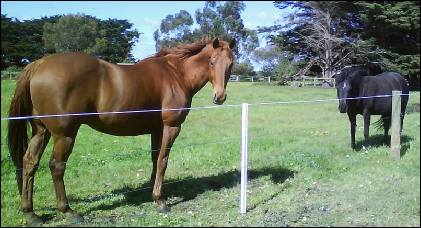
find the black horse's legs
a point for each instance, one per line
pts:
(63, 145)
(31, 159)
(168, 137)
(386, 126)
(402, 117)
(352, 120)
(156, 138)
(366, 116)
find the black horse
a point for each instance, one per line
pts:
(365, 81)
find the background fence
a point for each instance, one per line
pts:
(10, 74)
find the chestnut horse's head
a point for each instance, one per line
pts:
(221, 59)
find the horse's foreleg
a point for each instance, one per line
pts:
(62, 148)
(168, 136)
(31, 159)
(156, 139)
(352, 120)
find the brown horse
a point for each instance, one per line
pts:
(79, 83)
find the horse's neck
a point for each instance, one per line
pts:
(196, 70)
(355, 82)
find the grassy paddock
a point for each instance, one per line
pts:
(302, 170)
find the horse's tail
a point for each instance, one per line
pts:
(21, 105)
(378, 125)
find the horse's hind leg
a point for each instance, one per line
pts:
(63, 145)
(36, 146)
(386, 126)
(366, 116)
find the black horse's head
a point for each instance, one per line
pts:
(348, 78)
(343, 89)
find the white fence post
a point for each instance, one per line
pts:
(244, 142)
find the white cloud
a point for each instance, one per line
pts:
(249, 24)
(152, 22)
(264, 16)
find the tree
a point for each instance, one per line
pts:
(273, 61)
(115, 41)
(21, 41)
(223, 19)
(175, 29)
(111, 40)
(317, 31)
(338, 33)
(244, 68)
(71, 33)
(216, 19)
(394, 27)
(284, 70)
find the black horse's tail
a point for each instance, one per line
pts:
(378, 125)
(17, 137)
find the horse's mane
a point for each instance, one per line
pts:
(184, 51)
(361, 70)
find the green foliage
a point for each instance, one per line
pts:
(244, 68)
(284, 70)
(21, 41)
(115, 41)
(275, 62)
(216, 19)
(387, 32)
(26, 41)
(395, 27)
(71, 33)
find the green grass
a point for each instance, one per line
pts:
(302, 170)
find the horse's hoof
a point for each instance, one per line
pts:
(33, 220)
(163, 209)
(73, 218)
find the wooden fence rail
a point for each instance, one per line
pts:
(318, 82)
(9, 74)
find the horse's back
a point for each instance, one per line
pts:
(383, 84)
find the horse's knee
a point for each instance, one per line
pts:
(30, 165)
(57, 168)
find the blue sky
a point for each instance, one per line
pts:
(145, 15)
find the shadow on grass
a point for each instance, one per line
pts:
(377, 140)
(412, 108)
(186, 188)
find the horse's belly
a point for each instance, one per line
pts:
(127, 125)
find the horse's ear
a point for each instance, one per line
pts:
(232, 44)
(215, 43)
